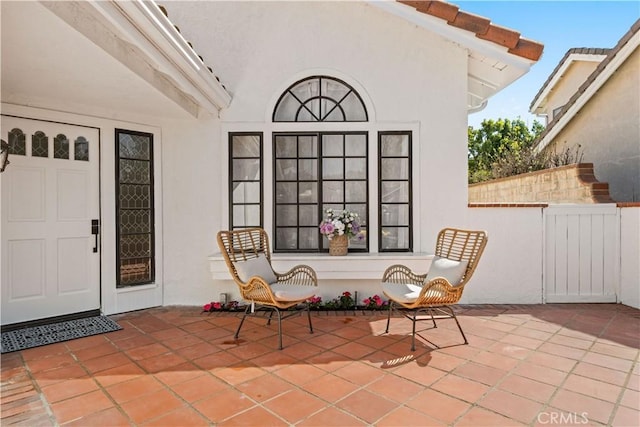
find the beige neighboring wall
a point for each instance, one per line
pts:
(608, 130)
(574, 76)
(566, 184)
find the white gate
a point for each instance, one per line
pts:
(581, 253)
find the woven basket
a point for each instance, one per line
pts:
(339, 245)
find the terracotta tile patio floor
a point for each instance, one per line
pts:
(174, 366)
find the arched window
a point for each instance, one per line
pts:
(17, 142)
(315, 169)
(320, 99)
(39, 145)
(81, 149)
(61, 147)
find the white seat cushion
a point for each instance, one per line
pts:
(408, 293)
(255, 267)
(400, 292)
(449, 269)
(292, 292)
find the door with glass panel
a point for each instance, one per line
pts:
(50, 220)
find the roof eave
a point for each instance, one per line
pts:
(516, 54)
(137, 34)
(584, 94)
(162, 33)
(557, 76)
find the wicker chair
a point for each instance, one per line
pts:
(246, 252)
(456, 257)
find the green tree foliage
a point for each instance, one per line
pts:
(503, 147)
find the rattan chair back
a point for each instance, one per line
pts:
(461, 245)
(242, 245)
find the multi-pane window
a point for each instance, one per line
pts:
(320, 99)
(245, 186)
(135, 235)
(395, 206)
(314, 172)
(320, 166)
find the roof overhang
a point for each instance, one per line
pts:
(541, 99)
(137, 34)
(604, 71)
(491, 66)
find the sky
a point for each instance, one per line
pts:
(559, 25)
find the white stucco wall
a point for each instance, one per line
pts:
(194, 184)
(510, 270)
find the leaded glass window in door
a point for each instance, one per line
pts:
(61, 147)
(39, 145)
(17, 142)
(134, 216)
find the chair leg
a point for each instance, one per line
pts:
(269, 319)
(413, 332)
(246, 311)
(389, 316)
(432, 318)
(309, 317)
(457, 323)
(279, 328)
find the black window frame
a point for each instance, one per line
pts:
(152, 232)
(323, 117)
(260, 158)
(322, 244)
(409, 203)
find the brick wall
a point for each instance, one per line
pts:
(566, 184)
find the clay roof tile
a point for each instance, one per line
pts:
(482, 27)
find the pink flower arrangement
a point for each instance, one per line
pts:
(340, 223)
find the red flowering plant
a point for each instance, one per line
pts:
(218, 306)
(315, 302)
(375, 303)
(344, 301)
(212, 306)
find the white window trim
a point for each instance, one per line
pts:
(268, 129)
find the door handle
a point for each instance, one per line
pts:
(95, 230)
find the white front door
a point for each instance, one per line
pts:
(50, 196)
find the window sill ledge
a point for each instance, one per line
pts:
(359, 266)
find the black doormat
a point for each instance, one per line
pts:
(35, 336)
